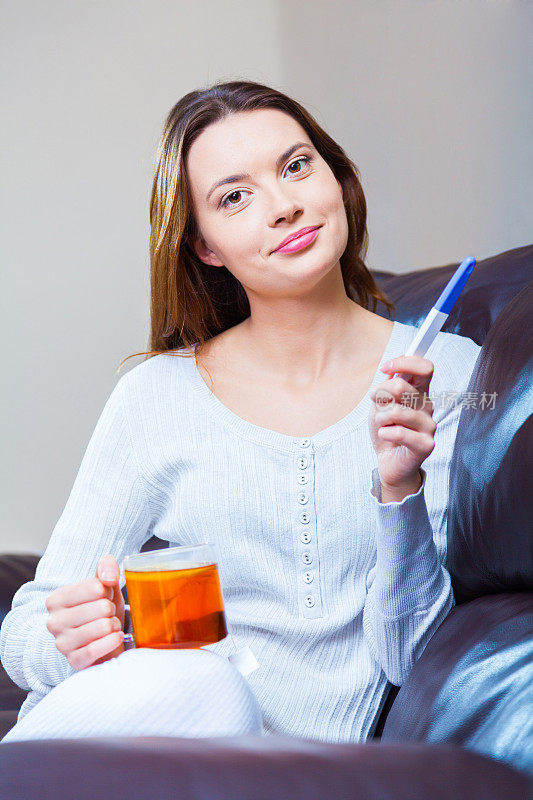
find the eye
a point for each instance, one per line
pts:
(305, 159)
(224, 203)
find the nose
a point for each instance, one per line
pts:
(283, 206)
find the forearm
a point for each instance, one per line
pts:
(408, 569)
(410, 593)
(28, 651)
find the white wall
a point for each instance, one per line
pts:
(86, 88)
(428, 98)
(432, 100)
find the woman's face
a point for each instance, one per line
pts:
(243, 221)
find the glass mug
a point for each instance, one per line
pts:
(175, 598)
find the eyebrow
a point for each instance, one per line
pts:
(245, 176)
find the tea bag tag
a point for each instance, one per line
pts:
(244, 660)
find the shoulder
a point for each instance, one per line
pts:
(156, 368)
(147, 386)
(453, 356)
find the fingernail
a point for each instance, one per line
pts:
(107, 575)
(116, 624)
(386, 365)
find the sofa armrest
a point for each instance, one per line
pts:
(472, 684)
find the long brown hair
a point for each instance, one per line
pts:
(190, 301)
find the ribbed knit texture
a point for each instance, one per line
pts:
(336, 593)
(146, 692)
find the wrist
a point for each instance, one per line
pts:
(397, 492)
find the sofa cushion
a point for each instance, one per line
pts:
(7, 720)
(255, 768)
(15, 569)
(472, 684)
(490, 515)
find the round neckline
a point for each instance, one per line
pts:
(282, 441)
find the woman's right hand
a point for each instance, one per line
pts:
(87, 618)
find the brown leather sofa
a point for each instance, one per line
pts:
(461, 726)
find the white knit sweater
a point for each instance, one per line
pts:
(336, 593)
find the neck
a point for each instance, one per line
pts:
(301, 343)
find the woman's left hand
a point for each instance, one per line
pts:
(402, 426)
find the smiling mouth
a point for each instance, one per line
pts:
(300, 242)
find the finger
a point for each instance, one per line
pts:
(416, 365)
(419, 370)
(86, 656)
(421, 444)
(393, 390)
(107, 570)
(108, 566)
(76, 593)
(66, 618)
(408, 417)
(77, 638)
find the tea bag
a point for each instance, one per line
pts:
(244, 660)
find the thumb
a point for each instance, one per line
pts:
(108, 570)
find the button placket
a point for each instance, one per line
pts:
(308, 596)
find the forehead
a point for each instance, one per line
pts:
(241, 142)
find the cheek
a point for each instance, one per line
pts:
(328, 197)
(334, 210)
(245, 231)
(337, 200)
(239, 237)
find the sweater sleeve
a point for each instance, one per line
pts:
(107, 512)
(410, 592)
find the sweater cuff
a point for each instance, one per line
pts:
(409, 575)
(42, 658)
(403, 526)
(375, 489)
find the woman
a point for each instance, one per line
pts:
(254, 424)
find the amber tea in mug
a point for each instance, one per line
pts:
(175, 597)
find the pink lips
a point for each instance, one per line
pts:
(299, 243)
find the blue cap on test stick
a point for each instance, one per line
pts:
(454, 287)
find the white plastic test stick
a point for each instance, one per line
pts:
(439, 313)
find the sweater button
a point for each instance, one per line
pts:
(304, 517)
(305, 442)
(308, 577)
(309, 600)
(302, 462)
(303, 498)
(302, 478)
(307, 557)
(305, 537)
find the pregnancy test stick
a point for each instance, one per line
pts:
(439, 313)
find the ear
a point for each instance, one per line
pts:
(198, 245)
